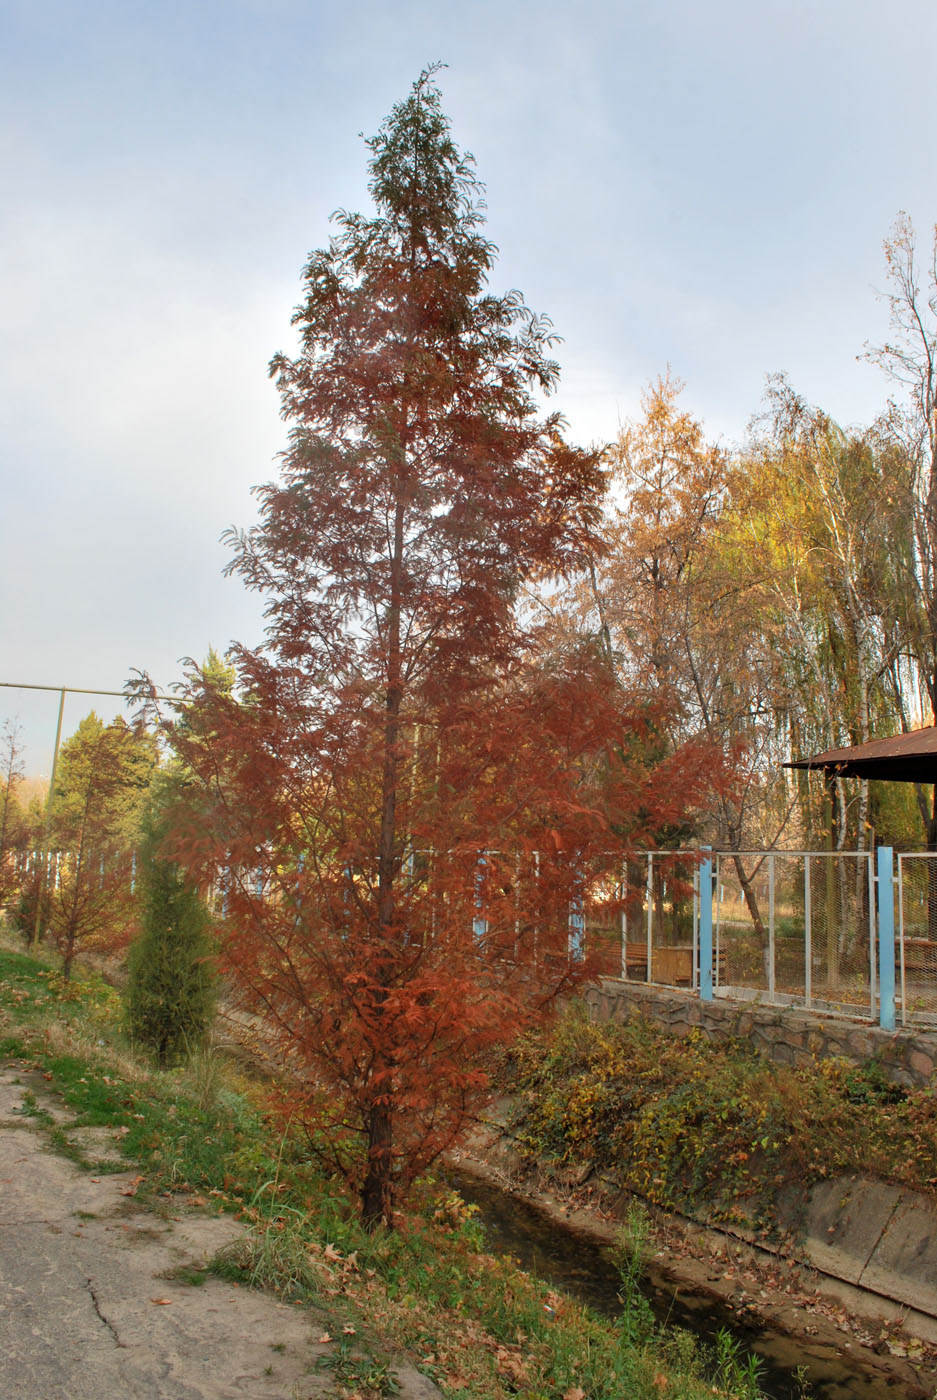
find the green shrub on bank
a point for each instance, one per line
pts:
(170, 991)
(685, 1121)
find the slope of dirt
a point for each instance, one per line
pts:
(93, 1302)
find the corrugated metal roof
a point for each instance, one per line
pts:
(904, 758)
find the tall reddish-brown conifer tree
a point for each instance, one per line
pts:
(403, 803)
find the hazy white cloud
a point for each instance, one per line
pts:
(701, 186)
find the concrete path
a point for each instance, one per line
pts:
(89, 1309)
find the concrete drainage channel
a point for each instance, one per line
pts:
(879, 1240)
(856, 1306)
(870, 1250)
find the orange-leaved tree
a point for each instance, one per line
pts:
(404, 805)
(102, 778)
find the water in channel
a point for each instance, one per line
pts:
(579, 1267)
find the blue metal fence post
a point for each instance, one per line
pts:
(346, 890)
(706, 927)
(480, 923)
(577, 925)
(886, 939)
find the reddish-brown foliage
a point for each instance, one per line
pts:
(510, 806)
(403, 802)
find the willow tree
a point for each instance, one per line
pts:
(823, 510)
(909, 425)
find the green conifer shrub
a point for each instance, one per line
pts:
(170, 989)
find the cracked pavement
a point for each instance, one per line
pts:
(88, 1311)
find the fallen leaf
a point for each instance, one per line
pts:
(326, 1337)
(161, 1302)
(510, 1364)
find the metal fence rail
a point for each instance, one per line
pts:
(839, 932)
(813, 929)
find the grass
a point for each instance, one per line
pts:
(476, 1324)
(685, 1123)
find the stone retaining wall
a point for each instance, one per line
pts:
(785, 1034)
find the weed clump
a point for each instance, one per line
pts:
(687, 1122)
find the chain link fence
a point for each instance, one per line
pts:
(916, 951)
(791, 927)
(798, 927)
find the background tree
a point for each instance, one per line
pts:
(403, 801)
(170, 990)
(669, 484)
(103, 774)
(823, 509)
(762, 592)
(672, 605)
(13, 820)
(909, 358)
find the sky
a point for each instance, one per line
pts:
(700, 186)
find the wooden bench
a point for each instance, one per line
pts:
(920, 955)
(673, 966)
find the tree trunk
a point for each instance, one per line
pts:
(751, 901)
(832, 945)
(732, 820)
(68, 957)
(377, 1193)
(4, 823)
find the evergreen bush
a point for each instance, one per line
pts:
(170, 991)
